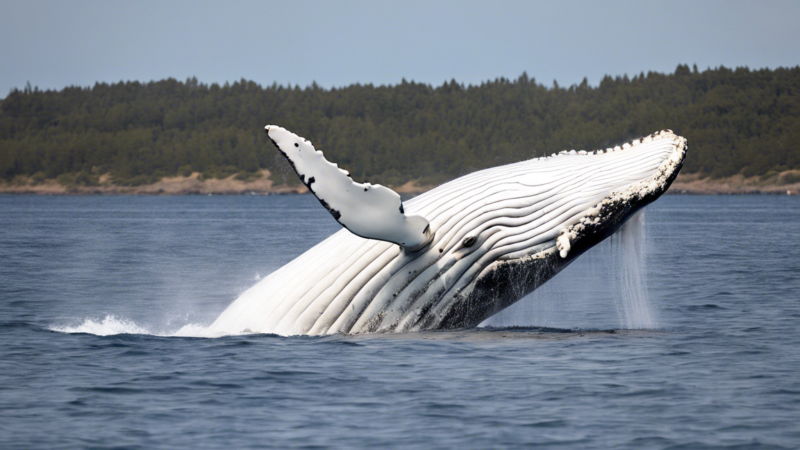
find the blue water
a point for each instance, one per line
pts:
(721, 370)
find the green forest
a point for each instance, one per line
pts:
(736, 120)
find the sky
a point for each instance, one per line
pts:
(53, 44)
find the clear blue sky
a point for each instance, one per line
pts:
(54, 44)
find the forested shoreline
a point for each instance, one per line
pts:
(738, 122)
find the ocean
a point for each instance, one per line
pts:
(94, 289)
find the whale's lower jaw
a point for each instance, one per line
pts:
(504, 282)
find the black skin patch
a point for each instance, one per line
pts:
(311, 181)
(401, 208)
(469, 241)
(336, 214)
(296, 144)
(365, 189)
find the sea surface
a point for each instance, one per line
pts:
(93, 289)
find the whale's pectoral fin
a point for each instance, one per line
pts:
(370, 211)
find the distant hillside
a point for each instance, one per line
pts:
(737, 122)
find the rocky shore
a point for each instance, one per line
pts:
(785, 183)
(178, 185)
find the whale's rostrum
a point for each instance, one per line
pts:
(489, 238)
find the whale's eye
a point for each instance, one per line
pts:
(468, 241)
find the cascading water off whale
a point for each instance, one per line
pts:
(455, 255)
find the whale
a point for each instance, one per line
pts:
(455, 255)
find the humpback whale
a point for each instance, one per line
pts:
(455, 255)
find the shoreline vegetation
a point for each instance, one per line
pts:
(785, 183)
(172, 137)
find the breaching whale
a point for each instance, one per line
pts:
(455, 255)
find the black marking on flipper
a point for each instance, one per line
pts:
(336, 214)
(401, 208)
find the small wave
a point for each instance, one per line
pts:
(107, 326)
(111, 325)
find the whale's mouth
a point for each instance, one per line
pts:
(603, 218)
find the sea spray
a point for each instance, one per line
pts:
(107, 326)
(111, 325)
(604, 288)
(629, 268)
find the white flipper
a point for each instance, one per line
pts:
(370, 211)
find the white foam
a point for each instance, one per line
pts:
(107, 326)
(111, 325)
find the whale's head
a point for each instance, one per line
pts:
(491, 237)
(502, 232)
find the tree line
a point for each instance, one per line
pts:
(736, 120)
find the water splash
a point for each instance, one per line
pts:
(604, 288)
(107, 326)
(629, 265)
(111, 325)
